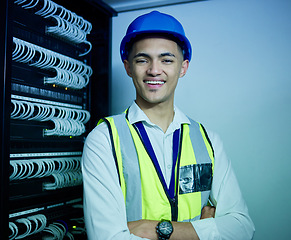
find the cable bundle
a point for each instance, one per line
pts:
(39, 168)
(66, 179)
(33, 224)
(65, 127)
(69, 72)
(57, 231)
(66, 30)
(67, 121)
(69, 26)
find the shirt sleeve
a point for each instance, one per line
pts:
(104, 207)
(232, 220)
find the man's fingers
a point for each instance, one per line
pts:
(208, 212)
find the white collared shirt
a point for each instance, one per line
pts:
(104, 207)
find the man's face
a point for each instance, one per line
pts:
(155, 64)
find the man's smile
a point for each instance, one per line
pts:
(154, 82)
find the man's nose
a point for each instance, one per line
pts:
(154, 68)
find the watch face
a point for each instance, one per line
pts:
(166, 228)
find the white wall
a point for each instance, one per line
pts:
(238, 85)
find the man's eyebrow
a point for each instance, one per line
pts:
(166, 54)
(141, 55)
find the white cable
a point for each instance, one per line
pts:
(31, 4)
(39, 168)
(40, 223)
(15, 169)
(14, 230)
(27, 169)
(27, 223)
(22, 171)
(65, 179)
(57, 230)
(69, 31)
(46, 59)
(43, 220)
(16, 109)
(29, 110)
(69, 25)
(39, 218)
(67, 121)
(33, 219)
(70, 235)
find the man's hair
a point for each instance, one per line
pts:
(128, 46)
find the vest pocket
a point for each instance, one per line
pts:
(195, 178)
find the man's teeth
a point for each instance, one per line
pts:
(155, 82)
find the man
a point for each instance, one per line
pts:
(151, 172)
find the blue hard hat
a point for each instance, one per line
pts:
(156, 22)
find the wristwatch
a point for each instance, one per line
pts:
(164, 229)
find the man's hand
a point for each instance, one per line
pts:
(208, 212)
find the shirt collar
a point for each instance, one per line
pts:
(135, 114)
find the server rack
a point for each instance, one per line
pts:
(55, 63)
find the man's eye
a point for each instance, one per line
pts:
(167, 60)
(141, 61)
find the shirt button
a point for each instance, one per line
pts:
(169, 166)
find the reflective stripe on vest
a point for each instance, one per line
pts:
(143, 192)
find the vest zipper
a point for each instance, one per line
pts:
(174, 201)
(174, 208)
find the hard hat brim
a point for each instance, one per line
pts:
(183, 42)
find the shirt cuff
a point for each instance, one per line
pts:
(206, 229)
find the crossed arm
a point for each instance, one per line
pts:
(182, 230)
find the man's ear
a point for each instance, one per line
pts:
(184, 68)
(127, 68)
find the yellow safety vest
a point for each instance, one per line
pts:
(144, 194)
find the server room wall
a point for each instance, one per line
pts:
(55, 89)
